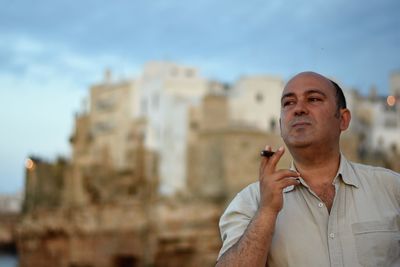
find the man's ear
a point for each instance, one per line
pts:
(345, 118)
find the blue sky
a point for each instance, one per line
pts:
(52, 51)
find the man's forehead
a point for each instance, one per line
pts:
(306, 82)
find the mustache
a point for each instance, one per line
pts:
(301, 120)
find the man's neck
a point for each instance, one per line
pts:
(317, 168)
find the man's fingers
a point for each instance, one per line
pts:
(282, 174)
(288, 182)
(268, 164)
(267, 148)
(275, 159)
(264, 161)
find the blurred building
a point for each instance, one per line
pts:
(167, 91)
(10, 203)
(10, 207)
(255, 101)
(376, 121)
(154, 162)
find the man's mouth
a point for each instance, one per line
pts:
(300, 124)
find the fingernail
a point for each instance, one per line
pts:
(280, 149)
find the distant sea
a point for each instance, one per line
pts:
(8, 260)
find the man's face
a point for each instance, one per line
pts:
(308, 109)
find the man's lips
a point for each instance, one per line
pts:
(300, 123)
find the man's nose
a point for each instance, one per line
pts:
(300, 108)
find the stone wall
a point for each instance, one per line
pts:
(44, 184)
(8, 224)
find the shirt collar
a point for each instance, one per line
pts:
(345, 172)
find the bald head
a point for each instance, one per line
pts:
(309, 74)
(340, 98)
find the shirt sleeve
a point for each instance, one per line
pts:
(237, 216)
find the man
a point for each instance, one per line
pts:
(325, 210)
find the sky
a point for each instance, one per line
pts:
(52, 51)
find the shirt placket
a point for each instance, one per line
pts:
(334, 248)
(332, 228)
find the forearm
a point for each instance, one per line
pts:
(253, 247)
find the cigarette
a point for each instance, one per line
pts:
(267, 153)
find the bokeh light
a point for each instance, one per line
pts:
(391, 100)
(29, 164)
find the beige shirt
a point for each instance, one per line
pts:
(363, 228)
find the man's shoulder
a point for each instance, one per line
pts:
(244, 204)
(253, 188)
(250, 193)
(372, 169)
(376, 174)
(248, 197)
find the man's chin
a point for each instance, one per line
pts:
(298, 143)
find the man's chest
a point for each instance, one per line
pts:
(356, 232)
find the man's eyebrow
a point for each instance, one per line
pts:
(287, 95)
(315, 91)
(308, 92)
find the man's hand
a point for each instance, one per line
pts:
(272, 182)
(253, 247)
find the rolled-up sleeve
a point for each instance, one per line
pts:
(237, 216)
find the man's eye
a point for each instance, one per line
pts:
(287, 103)
(314, 99)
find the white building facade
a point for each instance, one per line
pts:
(166, 92)
(255, 101)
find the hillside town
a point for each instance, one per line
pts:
(156, 159)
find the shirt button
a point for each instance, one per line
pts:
(320, 204)
(332, 235)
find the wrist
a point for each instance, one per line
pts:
(267, 212)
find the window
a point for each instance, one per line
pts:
(105, 104)
(194, 125)
(259, 98)
(104, 126)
